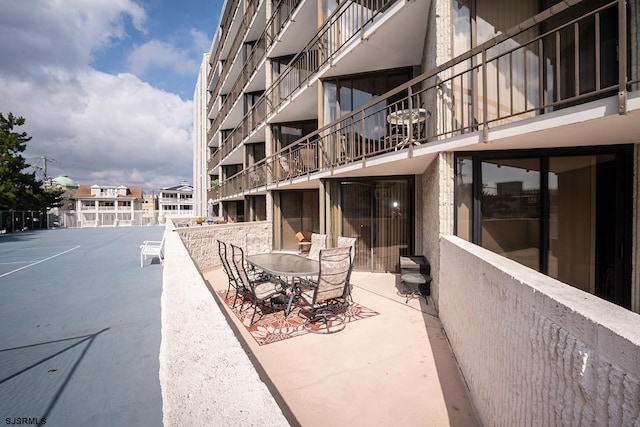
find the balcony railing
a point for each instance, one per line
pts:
(224, 32)
(461, 97)
(250, 11)
(279, 17)
(344, 25)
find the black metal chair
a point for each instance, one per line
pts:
(234, 282)
(327, 297)
(258, 291)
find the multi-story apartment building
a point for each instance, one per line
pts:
(418, 125)
(201, 180)
(176, 201)
(107, 205)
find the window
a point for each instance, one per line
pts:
(348, 93)
(297, 211)
(286, 133)
(565, 213)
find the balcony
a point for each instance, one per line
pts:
(344, 26)
(464, 99)
(280, 15)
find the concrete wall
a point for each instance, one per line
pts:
(201, 241)
(533, 350)
(205, 375)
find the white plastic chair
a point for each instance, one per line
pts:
(151, 248)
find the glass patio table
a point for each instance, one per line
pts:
(286, 266)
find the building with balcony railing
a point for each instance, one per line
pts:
(503, 134)
(107, 205)
(176, 201)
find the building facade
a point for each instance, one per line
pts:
(107, 205)
(201, 183)
(505, 134)
(176, 202)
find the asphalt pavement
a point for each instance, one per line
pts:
(80, 328)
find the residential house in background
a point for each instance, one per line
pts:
(498, 139)
(107, 205)
(177, 201)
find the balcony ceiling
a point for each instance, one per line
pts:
(300, 29)
(593, 123)
(403, 48)
(259, 21)
(394, 40)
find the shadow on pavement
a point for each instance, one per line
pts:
(33, 377)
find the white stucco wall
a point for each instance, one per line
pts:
(533, 350)
(206, 377)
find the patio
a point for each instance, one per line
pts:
(394, 368)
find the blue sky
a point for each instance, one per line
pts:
(106, 86)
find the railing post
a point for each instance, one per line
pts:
(622, 57)
(485, 102)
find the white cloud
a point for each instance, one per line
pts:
(156, 54)
(100, 128)
(60, 33)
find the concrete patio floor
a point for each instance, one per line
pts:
(395, 368)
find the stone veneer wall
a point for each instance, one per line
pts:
(202, 241)
(436, 219)
(535, 351)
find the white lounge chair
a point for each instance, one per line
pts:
(151, 248)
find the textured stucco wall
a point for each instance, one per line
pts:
(533, 350)
(201, 241)
(206, 377)
(436, 218)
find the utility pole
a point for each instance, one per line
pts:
(43, 169)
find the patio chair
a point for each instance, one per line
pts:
(327, 298)
(307, 159)
(288, 167)
(318, 243)
(350, 242)
(152, 248)
(231, 275)
(304, 240)
(258, 291)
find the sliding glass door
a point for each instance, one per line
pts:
(379, 213)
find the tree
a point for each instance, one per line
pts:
(20, 190)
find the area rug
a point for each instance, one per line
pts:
(270, 325)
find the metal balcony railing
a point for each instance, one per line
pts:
(224, 32)
(249, 14)
(471, 92)
(283, 11)
(345, 24)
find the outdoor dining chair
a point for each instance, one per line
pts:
(234, 282)
(350, 242)
(318, 243)
(327, 297)
(259, 291)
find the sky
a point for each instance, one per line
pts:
(106, 86)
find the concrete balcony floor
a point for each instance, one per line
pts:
(395, 368)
